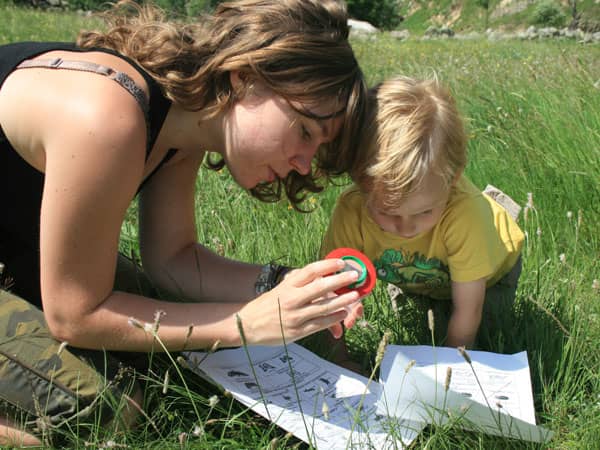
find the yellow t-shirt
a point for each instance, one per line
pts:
(475, 238)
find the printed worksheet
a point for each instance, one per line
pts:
(492, 394)
(319, 402)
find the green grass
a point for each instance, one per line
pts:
(534, 124)
(467, 15)
(29, 24)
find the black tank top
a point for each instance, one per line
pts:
(21, 185)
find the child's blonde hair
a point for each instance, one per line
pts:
(413, 128)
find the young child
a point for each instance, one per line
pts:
(426, 227)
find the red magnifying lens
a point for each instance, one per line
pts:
(359, 262)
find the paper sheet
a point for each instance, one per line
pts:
(493, 394)
(295, 403)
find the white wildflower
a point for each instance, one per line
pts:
(363, 323)
(212, 401)
(182, 438)
(198, 431)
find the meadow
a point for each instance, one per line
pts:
(533, 117)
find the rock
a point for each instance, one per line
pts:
(360, 26)
(401, 35)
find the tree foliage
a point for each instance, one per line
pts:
(548, 13)
(383, 14)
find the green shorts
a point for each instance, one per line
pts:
(45, 386)
(496, 317)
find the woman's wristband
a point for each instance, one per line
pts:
(270, 276)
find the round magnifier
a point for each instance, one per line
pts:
(359, 262)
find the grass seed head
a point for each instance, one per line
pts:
(215, 346)
(274, 444)
(133, 322)
(430, 320)
(448, 379)
(61, 347)
(325, 410)
(464, 354)
(183, 362)
(158, 315)
(165, 387)
(240, 326)
(381, 348)
(530, 200)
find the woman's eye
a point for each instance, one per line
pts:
(305, 133)
(426, 213)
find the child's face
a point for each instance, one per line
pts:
(417, 212)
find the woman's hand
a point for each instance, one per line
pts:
(302, 304)
(355, 312)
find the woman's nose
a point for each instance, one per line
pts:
(302, 161)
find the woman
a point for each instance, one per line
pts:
(271, 86)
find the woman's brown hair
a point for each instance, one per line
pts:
(298, 48)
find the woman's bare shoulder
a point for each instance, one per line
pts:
(44, 109)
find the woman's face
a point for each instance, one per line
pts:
(266, 138)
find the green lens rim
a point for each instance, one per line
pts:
(363, 275)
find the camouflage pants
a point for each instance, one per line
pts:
(45, 386)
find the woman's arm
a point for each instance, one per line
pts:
(170, 253)
(94, 160)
